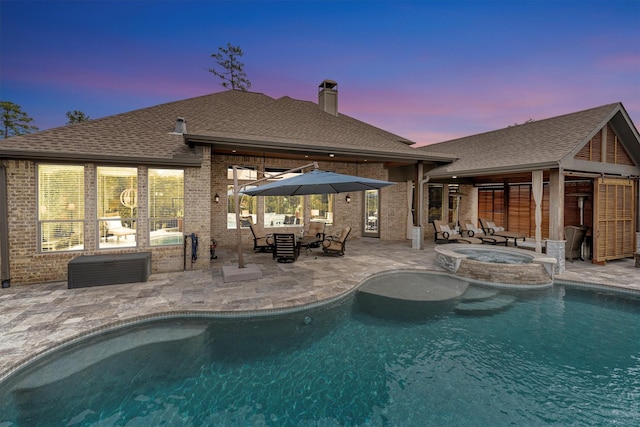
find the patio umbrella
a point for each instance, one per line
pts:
(316, 182)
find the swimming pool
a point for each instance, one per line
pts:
(552, 357)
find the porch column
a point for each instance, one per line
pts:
(556, 242)
(418, 230)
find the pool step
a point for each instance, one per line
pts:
(486, 306)
(82, 356)
(479, 294)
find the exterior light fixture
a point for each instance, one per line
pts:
(348, 198)
(216, 198)
(331, 155)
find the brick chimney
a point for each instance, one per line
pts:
(328, 97)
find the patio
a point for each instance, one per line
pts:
(36, 317)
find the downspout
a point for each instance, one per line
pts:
(4, 230)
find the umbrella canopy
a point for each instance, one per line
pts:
(317, 182)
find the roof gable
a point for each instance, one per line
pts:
(605, 146)
(538, 144)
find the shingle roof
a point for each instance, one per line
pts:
(147, 134)
(523, 147)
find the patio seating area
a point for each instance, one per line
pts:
(37, 317)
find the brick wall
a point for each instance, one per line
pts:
(201, 215)
(393, 210)
(27, 265)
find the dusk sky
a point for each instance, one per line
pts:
(426, 70)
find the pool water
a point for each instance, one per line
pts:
(554, 357)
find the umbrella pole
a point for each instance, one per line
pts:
(236, 193)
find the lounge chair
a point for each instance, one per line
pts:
(470, 230)
(575, 237)
(491, 229)
(334, 245)
(261, 241)
(285, 247)
(115, 227)
(445, 234)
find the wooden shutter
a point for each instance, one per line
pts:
(614, 233)
(522, 208)
(491, 205)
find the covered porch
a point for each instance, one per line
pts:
(577, 170)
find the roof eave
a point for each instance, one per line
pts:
(274, 146)
(186, 161)
(510, 169)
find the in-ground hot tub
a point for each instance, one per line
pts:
(497, 266)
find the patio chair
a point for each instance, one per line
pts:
(575, 237)
(491, 229)
(285, 247)
(445, 234)
(334, 245)
(262, 241)
(313, 235)
(115, 227)
(468, 228)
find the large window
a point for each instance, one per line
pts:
(248, 204)
(248, 207)
(166, 206)
(117, 206)
(436, 194)
(282, 210)
(321, 206)
(60, 207)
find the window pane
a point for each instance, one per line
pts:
(322, 207)
(435, 202)
(117, 206)
(283, 210)
(248, 207)
(244, 173)
(61, 207)
(166, 206)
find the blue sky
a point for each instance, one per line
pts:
(427, 70)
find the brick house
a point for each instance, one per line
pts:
(147, 179)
